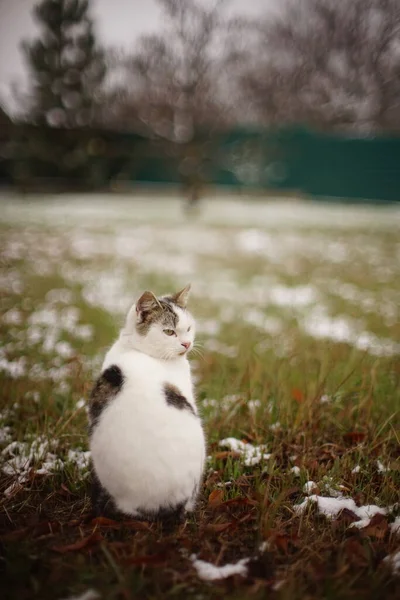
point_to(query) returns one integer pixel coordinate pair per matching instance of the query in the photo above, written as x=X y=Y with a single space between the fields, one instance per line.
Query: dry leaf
x=105 y=522
x=219 y=527
x=227 y=454
x=239 y=502
x=87 y=542
x=215 y=498
x=281 y=541
x=297 y=395
x=136 y=525
x=377 y=527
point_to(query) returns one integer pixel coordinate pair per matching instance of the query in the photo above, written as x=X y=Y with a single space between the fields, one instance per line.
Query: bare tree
x=173 y=84
x=328 y=63
x=173 y=78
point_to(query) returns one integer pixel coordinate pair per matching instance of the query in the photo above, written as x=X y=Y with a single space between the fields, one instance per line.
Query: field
x=297 y=377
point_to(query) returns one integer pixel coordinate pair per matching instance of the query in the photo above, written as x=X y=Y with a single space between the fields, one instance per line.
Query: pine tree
x=66 y=64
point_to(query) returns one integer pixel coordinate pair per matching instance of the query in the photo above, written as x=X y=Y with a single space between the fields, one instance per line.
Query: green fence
x=313 y=163
x=289 y=160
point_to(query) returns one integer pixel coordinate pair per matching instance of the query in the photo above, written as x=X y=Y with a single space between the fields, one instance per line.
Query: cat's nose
x=185 y=344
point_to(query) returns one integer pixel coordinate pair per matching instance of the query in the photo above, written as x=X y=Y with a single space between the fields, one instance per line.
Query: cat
x=146 y=437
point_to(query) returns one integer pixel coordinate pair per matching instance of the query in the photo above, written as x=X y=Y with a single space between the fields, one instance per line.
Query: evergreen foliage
x=66 y=64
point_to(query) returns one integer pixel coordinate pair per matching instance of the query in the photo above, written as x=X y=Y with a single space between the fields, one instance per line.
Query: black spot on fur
x=174 y=398
x=113 y=375
x=105 y=389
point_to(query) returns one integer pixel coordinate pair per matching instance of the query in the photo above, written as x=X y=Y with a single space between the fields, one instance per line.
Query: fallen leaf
x=219 y=527
x=105 y=522
x=281 y=542
x=238 y=502
x=87 y=542
x=346 y=517
x=215 y=498
x=356 y=553
x=227 y=454
x=137 y=525
x=377 y=527
x=297 y=395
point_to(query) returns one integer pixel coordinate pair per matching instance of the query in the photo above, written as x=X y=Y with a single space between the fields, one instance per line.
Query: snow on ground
x=251 y=454
x=331 y=507
x=395 y=526
x=393 y=560
x=244 y=211
x=108 y=245
x=40 y=454
x=210 y=572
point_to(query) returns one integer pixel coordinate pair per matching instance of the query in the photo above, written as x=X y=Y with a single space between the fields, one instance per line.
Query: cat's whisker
x=198 y=353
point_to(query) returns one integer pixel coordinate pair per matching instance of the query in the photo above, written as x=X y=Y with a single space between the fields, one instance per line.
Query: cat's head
x=160 y=327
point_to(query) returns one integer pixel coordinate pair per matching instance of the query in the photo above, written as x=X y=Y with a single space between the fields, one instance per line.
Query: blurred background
x=251 y=148
x=297 y=98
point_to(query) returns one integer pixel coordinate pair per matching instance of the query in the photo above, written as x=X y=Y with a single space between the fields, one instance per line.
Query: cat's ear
x=146 y=303
x=181 y=298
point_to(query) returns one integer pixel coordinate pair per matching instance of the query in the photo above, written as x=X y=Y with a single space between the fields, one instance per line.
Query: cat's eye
x=169 y=332
x=189 y=328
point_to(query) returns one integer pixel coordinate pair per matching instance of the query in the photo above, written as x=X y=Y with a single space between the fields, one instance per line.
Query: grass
x=300 y=352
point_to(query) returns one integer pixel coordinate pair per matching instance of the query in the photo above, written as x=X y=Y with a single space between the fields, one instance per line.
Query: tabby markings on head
x=162 y=312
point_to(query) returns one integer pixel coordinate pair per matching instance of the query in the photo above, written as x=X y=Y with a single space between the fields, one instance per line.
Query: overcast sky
x=118 y=22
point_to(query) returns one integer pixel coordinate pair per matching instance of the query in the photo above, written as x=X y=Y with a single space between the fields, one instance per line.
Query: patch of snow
x=381 y=468
x=393 y=560
x=278 y=585
x=293 y=296
x=325 y=399
x=356 y=469
x=5 y=435
x=18 y=458
x=331 y=507
x=319 y=325
x=13 y=317
x=14 y=368
x=253 y=405
x=275 y=426
x=252 y=454
x=64 y=349
x=395 y=526
x=81 y=403
x=265 y=545
x=309 y=487
x=209 y=402
x=209 y=572
x=220 y=348
x=80 y=458
x=296 y=471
